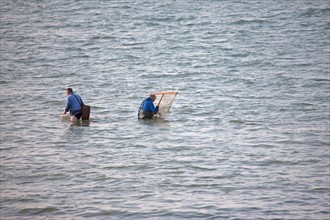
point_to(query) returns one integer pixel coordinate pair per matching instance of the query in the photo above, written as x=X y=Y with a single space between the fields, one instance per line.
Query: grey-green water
x=247 y=136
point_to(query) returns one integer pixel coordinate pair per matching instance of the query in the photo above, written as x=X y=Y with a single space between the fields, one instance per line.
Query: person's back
x=74 y=103
x=147 y=108
x=74 y=100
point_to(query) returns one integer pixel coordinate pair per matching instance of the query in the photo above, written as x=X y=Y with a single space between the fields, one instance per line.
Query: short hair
x=69 y=90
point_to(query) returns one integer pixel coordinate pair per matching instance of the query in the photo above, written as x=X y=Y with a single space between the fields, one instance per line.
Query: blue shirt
x=74 y=103
x=147 y=109
x=148 y=106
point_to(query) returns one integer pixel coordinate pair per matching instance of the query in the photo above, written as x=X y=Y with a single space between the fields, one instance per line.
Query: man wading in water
x=147 y=108
x=74 y=103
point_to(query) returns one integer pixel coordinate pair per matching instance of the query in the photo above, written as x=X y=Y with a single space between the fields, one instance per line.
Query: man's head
x=153 y=97
x=69 y=91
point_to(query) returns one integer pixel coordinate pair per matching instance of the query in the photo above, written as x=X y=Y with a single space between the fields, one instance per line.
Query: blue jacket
x=74 y=103
x=148 y=106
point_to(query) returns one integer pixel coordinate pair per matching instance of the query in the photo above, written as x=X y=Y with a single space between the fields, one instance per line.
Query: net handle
x=160 y=99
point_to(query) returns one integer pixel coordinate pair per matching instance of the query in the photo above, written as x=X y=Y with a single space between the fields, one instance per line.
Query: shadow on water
x=154 y=122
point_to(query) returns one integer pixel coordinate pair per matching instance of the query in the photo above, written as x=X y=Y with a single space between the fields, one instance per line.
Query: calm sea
x=247 y=136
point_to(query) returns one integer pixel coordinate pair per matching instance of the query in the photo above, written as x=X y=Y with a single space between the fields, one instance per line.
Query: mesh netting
x=165 y=100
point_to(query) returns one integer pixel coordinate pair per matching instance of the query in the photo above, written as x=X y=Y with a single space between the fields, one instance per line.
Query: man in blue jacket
x=147 y=108
x=74 y=103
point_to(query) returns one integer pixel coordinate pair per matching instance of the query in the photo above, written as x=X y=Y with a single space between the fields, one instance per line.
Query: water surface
x=247 y=136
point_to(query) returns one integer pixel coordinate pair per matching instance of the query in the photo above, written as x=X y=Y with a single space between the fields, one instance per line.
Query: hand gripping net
x=164 y=100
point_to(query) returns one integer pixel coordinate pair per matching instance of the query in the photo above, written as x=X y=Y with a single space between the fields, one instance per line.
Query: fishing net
x=164 y=100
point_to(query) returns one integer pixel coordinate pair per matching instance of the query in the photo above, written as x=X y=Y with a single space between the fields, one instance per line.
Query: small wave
x=237 y=121
x=203 y=168
x=321 y=80
x=4 y=82
x=311 y=12
x=248 y=21
x=320 y=189
x=302 y=104
x=35 y=211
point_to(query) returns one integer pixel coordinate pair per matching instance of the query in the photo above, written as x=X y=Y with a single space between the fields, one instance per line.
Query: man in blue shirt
x=147 y=108
x=74 y=103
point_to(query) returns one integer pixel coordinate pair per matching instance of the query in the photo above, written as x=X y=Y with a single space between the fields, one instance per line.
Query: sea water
x=247 y=136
